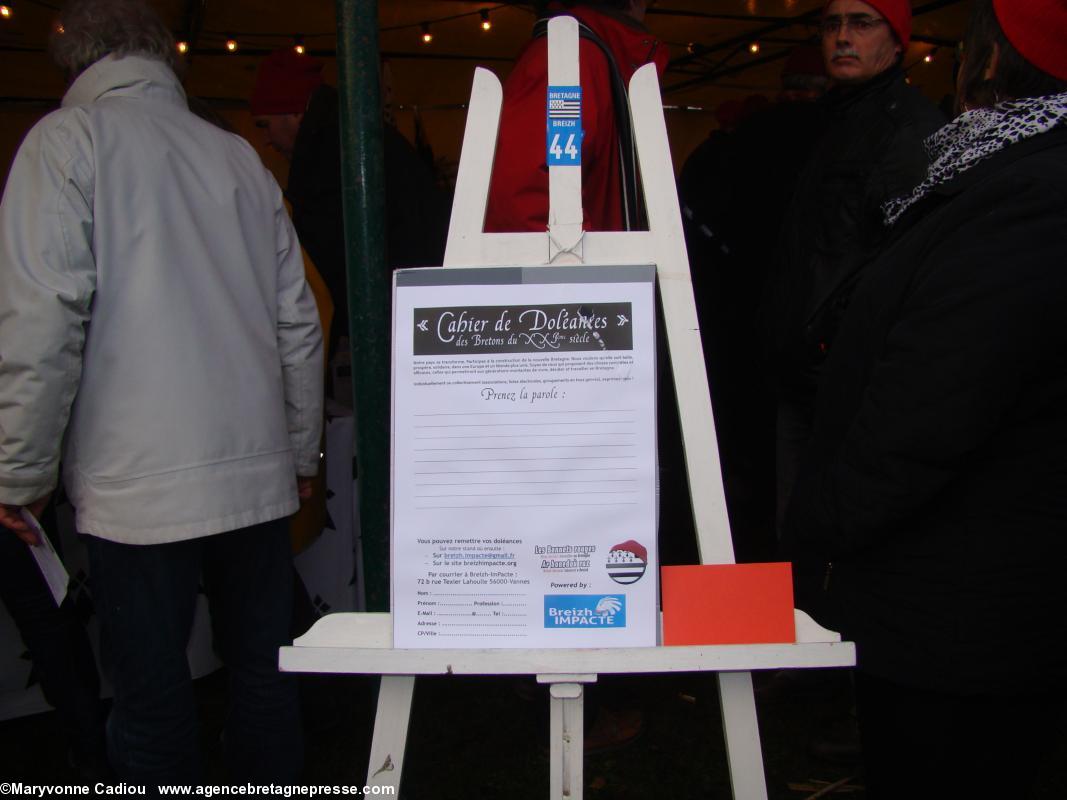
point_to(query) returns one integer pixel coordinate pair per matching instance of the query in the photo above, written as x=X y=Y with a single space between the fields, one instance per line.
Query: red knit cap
x=1038 y=30
x=896 y=12
x=284 y=83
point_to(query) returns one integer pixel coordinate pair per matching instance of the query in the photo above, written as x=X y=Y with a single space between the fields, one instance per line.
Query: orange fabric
x=518 y=190
x=728 y=604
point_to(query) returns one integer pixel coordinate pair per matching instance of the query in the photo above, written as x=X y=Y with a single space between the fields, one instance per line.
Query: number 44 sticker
x=569 y=149
x=564 y=141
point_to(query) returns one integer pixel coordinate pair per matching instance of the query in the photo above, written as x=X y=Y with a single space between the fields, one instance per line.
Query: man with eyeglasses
x=870 y=151
x=860 y=43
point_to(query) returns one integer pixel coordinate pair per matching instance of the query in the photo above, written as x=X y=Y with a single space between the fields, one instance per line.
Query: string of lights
x=259 y=42
x=482 y=14
x=232 y=41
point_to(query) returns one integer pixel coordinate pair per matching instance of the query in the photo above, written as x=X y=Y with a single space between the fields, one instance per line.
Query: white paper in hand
x=55 y=574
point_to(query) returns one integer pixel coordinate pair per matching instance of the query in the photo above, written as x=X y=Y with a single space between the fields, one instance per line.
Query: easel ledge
x=362 y=643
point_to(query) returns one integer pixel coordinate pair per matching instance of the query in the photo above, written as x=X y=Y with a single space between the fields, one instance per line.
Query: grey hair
x=88 y=30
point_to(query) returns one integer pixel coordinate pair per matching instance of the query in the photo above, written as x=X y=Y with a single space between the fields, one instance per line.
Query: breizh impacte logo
x=585 y=611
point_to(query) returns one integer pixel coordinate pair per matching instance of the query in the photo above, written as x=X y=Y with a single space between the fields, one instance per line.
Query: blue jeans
x=145 y=598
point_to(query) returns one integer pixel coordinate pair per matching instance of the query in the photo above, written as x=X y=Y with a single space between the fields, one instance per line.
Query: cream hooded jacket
x=155 y=323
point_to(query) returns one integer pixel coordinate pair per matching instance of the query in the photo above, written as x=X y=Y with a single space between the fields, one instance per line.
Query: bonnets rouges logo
x=627 y=562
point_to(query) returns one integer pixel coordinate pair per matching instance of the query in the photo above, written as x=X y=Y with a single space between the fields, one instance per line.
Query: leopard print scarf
x=975 y=136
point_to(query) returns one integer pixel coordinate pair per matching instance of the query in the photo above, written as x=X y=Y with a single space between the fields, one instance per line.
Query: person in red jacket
x=518 y=191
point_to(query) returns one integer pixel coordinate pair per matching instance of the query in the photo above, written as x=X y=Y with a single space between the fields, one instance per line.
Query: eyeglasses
x=860 y=24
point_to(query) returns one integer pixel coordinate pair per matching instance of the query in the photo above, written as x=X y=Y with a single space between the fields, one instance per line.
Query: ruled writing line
x=528 y=505
x=505 y=413
x=515 y=447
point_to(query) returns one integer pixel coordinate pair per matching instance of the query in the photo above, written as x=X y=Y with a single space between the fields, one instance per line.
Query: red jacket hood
x=622 y=34
x=518 y=191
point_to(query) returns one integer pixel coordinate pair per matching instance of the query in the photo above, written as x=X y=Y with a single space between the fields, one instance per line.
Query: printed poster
x=523 y=458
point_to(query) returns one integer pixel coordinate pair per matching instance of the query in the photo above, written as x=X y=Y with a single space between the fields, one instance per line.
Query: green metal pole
x=363 y=190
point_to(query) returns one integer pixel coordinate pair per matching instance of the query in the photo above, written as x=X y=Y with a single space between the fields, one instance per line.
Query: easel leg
x=743 y=751
x=566 y=741
x=390 y=731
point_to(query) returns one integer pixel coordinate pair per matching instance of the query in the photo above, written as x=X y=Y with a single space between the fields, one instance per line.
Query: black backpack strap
x=633 y=207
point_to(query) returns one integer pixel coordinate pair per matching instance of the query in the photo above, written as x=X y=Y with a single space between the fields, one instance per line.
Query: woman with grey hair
x=88 y=30
x=936 y=482
x=159 y=335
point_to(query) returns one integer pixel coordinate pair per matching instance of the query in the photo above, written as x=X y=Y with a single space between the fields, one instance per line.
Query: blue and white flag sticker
x=564 y=142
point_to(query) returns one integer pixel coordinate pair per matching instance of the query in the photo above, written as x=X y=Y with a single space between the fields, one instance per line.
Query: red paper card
x=728 y=604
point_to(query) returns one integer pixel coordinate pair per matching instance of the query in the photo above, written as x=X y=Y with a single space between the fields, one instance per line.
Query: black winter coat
x=416 y=211
x=937 y=476
x=870 y=152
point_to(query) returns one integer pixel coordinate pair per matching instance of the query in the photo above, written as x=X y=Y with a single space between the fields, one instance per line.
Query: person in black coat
x=936 y=481
x=734 y=188
x=300 y=116
x=869 y=152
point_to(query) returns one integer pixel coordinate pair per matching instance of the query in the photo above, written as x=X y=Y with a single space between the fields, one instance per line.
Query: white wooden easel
x=362 y=643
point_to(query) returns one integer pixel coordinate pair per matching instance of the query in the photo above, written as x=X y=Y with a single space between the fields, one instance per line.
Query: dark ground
x=477 y=738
